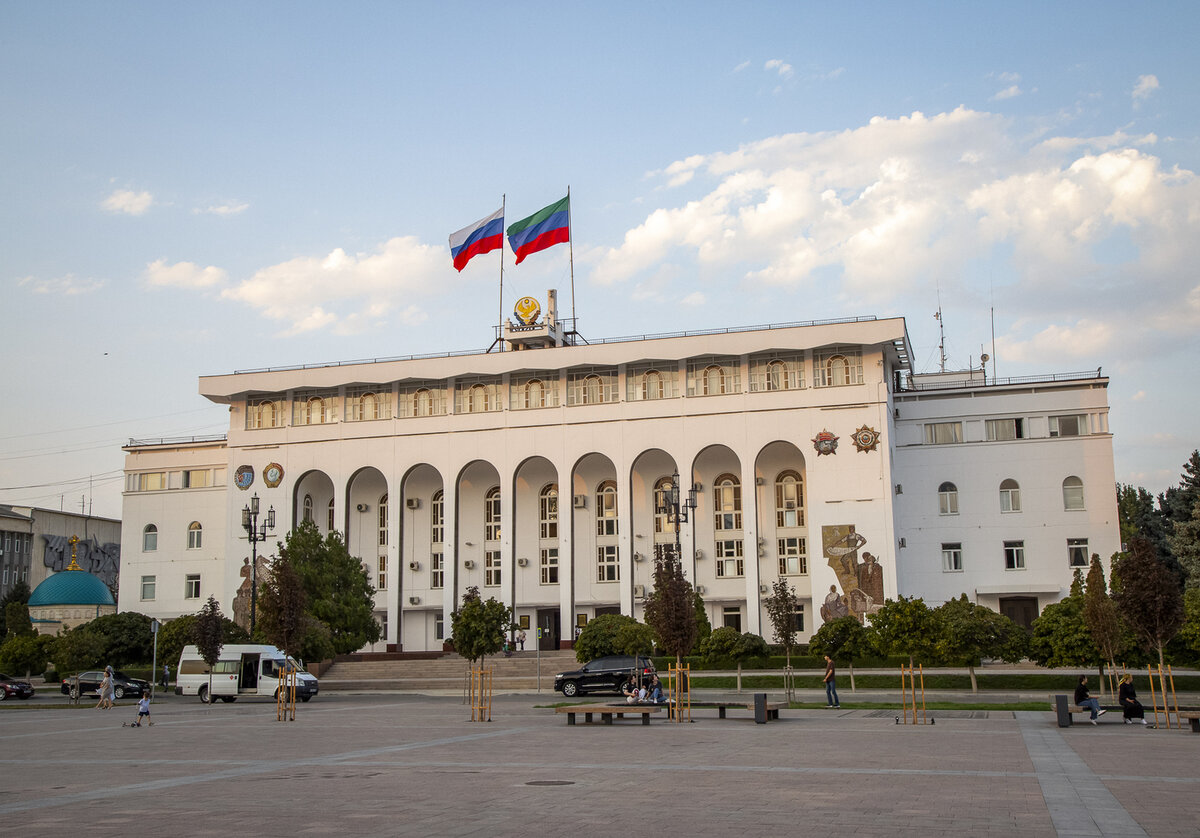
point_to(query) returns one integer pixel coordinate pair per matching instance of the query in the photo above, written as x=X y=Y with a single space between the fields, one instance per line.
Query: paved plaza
x=387 y=764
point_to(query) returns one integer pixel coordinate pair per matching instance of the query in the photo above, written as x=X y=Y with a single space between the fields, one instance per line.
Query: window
x=422 y=398
x=381 y=520
x=727 y=503
x=548 y=511
x=1010 y=496
x=308 y=508
x=729 y=558
x=439 y=626
x=798 y=617
x=592 y=386
x=149 y=482
x=1014 y=555
x=606 y=508
x=943 y=433
x=329 y=516
x=713 y=382
x=491 y=515
x=785 y=372
x=437 y=518
x=713 y=376
x=947 y=499
x=149 y=538
x=1069 y=425
x=191 y=586
x=437 y=570
x=148 y=586
x=793 y=556
x=477 y=395
x=529 y=392
x=1072 y=494
x=651 y=380
x=662 y=496
x=731 y=617
x=197 y=478
x=382 y=567
x=607 y=569
x=264 y=413
x=491 y=565
x=364 y=404
x=422 y=402
x=652 y=385
x=549 y=564
x=195 y=535
x=789 y=500
x=837 y=367
x=479 y=400
x=1077 y=552
x=1002 y=429
x=952 y=558
x=312 y=408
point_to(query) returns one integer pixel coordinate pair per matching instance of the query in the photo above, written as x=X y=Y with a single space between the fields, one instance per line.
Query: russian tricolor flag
x=484 y=236
x=545 y=228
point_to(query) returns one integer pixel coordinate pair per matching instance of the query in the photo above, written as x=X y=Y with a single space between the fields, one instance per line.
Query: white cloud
x=741 y=66
x=1007 y=93
x=183 y=275
x=127 y=201
x=1144 y=87
x=347 y=293
x=694 y=299
x=222 y=209
x=779 y=66
x=1140 y=395
x=67 y=286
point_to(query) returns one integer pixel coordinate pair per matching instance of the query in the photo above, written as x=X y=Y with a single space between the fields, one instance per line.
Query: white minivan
x=241 y=669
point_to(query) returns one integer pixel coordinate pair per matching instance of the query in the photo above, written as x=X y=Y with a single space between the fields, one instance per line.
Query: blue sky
x=189 y=191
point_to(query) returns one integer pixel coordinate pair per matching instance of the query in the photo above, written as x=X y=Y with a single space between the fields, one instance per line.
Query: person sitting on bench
x=1131 y=708
x=1083 y=699
x=655 y=691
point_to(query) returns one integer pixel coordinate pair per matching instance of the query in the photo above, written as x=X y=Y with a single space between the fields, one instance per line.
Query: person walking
x=143 y=711
x=831 y=696
x=1131 y=708
x=1084 y=699
x=107 y=690
x=166 y=676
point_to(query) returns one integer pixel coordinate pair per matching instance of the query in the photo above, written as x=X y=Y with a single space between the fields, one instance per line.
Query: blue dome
x=71 y=587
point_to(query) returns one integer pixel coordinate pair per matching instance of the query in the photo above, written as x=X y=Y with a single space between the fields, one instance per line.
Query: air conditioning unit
x=902 y=543
x=758 y=481
x=362 y=507
x=700 y=589
x=469 y=564
x=414 y=565
x=699 y=554
x=413 y=503
x=414 y=600
x=762 y=589
x=639 y=591
x=581 y=501
x=522 y=562
x=638 y=557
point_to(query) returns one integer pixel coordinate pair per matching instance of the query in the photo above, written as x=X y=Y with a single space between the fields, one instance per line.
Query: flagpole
x=571 y=246
x=500 y=323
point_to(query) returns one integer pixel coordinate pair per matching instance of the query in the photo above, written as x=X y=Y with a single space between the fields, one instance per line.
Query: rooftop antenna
x=942 y=332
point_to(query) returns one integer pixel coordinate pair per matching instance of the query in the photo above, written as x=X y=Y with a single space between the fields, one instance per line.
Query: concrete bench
x=1063 y=706
x=1193 y=717
x=608 y=711
x=772 y=708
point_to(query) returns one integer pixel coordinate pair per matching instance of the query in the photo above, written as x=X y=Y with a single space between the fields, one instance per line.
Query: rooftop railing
x=908 y=385
x=176 y=440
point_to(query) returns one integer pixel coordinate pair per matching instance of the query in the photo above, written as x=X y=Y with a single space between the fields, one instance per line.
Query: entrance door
x=1022 y=610
x=732 y=617
x=547 y=620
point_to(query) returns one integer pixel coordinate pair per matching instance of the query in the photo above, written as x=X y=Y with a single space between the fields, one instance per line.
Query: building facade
x=539 y=476
x=35 y=544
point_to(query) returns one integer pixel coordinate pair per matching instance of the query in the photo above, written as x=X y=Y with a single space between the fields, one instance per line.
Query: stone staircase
x=447 y=674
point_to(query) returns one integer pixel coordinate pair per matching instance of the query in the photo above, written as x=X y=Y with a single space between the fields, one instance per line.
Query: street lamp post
x=255 y=533
x=676 y=509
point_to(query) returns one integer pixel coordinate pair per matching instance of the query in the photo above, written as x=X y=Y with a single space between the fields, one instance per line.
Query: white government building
x=807 y=446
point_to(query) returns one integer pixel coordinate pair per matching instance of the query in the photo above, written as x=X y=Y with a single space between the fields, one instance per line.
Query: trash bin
x=760 y=708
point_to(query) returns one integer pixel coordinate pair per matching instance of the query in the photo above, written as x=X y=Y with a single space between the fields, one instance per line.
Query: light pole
x=676 y=509
x=255 y=533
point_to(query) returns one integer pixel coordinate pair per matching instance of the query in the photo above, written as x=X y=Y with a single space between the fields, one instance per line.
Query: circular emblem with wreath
x=866 y=439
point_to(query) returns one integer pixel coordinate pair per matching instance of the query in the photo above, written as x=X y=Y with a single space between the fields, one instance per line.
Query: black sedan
x=14 y=687
x=89 y=683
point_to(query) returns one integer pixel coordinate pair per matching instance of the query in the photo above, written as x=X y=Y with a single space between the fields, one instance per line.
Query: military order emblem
x=825 y=442
x=243 y=478
x=866 y=439
x=527 y=310
x=273 y=475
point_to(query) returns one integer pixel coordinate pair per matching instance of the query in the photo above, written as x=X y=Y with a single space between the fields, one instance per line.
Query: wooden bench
x=772 y=708
x=1064 y=706
x=1193 y=717
x=608 y=711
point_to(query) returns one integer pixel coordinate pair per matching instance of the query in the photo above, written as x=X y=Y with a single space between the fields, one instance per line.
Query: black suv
x=605 y=674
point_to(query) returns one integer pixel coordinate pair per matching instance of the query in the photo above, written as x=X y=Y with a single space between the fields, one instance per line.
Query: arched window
x=1072 y=493
x=789 y=500
x=662 y=494
x=727 y=503
x=548 y=510
x=1010 y=496
x=593 y=389
x=491 y=515
x=149 y=538
x=314 y=411
x=479 y=401
x=714 y=380
x=382 y=520
x=777 y=377
x=308 y=508
x=195 y=533
x=535 y=393
x=437 y=520
x=606 y=508
x=837 y=370
x=947 y=499
x=368 y=406
x=652 y=385
x=422 y=402
x=329 y=516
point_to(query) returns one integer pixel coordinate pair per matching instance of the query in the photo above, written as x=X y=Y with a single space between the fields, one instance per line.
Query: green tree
x=283 y=617
x=209 y=637
x=1185 y=544
x=906 y=626
x=16 y=618
x=844 y=638
x=17 y=593
x=1102 y=618
x=727 y=643
x=970 y=631
x=1060 y=635
x=1189 y=635
x=337 y=585
x=602 y=636
x=1149 y=595
x=782 y=606
x=173 y=635
x=671 y=606
x=25 y=654
x=479 y=626
x=1178 y=502
x=703 y=626
x=126 y=637
x=75 y=650
x=635 y=638
x=1137 y=515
